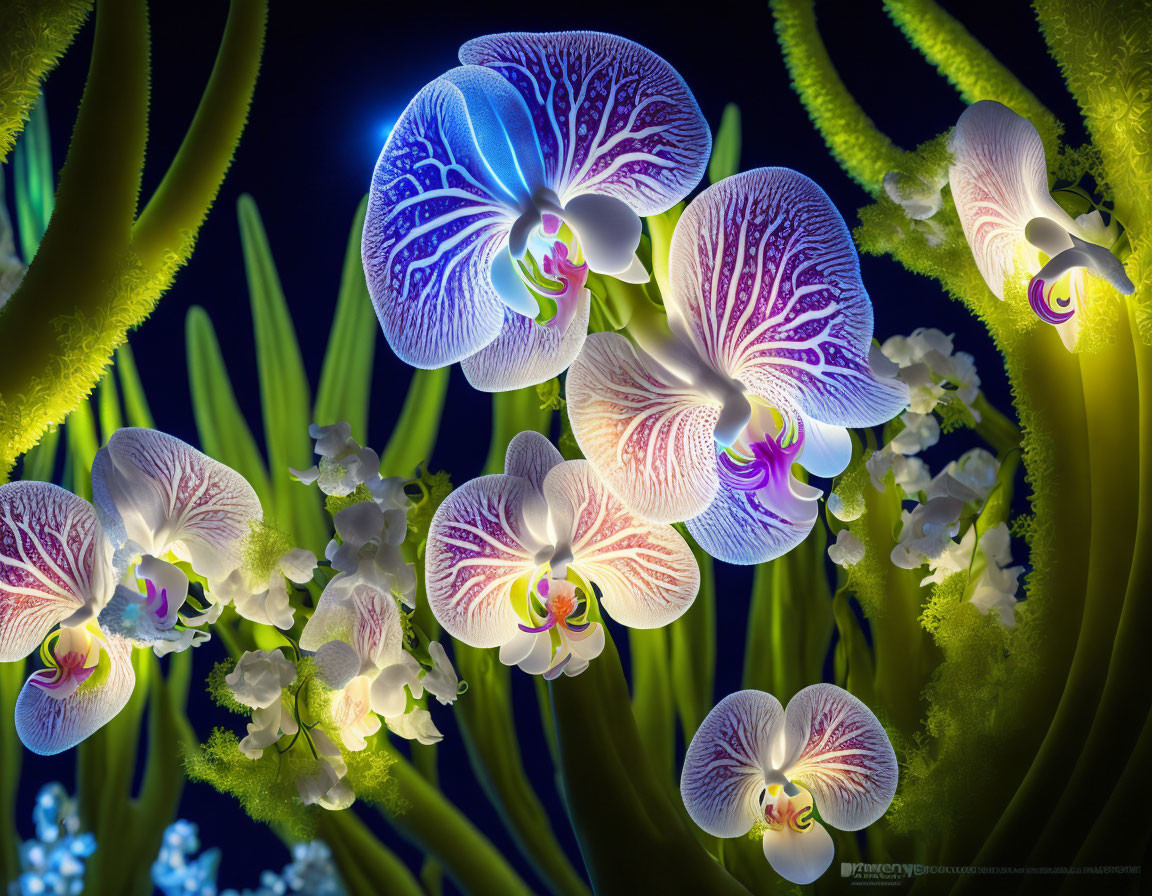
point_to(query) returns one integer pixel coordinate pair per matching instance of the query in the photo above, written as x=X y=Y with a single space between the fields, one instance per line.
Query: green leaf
x=284 y=391
x=414 y=435
x=223 y=429
x=132 y=390
x=81 y=444
x=346 y=377
x=693 y=646
x=108 y=406
x=40 y=462
x=726 y=146
x=35 y=185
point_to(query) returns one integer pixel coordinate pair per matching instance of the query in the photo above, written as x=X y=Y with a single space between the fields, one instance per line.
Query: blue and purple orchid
x=766 y=363
x=512 y=559
x=508 y=179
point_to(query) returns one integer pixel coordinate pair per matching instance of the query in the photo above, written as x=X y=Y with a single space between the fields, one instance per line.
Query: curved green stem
x=969 y=67
x=864 y=153
x=366 y=866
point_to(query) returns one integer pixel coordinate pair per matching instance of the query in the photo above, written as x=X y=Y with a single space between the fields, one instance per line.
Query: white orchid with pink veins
x=753 y=765
x=513 y=559
x=766 y=363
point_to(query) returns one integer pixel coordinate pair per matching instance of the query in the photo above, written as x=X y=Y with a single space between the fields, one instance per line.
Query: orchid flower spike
x=512 y=558
x=768 y=360
x=752 y=765
x=999 y=180
x=506 y=181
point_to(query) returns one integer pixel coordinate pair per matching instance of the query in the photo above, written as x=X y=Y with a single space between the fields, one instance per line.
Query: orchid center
x=553 y=269
x=70 y=656
x=556 y=602
x=788 y=806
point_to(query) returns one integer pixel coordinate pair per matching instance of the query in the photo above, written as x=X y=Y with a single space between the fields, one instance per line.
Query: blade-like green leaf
x=284 y=391
x=135 y=401
x=346 y=377
x=725 y=159
x=414 y=435
x=693 y=650
x=35 y=188
x=224 y=432
x=81 y=445
x=108 y=406
x=40 y=462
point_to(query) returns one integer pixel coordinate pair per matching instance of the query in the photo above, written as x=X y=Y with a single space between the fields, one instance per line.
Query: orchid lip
x=1044 y=310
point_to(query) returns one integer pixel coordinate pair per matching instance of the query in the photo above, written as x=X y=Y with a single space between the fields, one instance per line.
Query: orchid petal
x=649 y=438
x=840 y=752
x=525 y=353
x=479 y=544
x=338 y=663
x=509 y=286
x=728 y=761
x=826 y=450
x=999 y=181
x=360 y=614
x=766 y=282
x=156 y=494
x=531 y=456
x=607 y=229
x=55 y=563
x=436 y=219
x=611 y=117
x=387 y=693
x=799 y=856
x=167 y=578
x=298 y=565
x=49 y=724
x=646 y=572
x=755 y=526
x=634 y=273
x=1095 y=258
x=531 y=651
x=267 y=606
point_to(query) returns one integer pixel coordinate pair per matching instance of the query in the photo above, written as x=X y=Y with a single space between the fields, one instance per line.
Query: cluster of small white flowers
x=994 y=581
x=927 y=363
x=921 y=198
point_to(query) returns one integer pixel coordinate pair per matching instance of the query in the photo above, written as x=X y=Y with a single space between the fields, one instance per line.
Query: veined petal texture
x=766 y=282
x=648 y=437
x=728 y=761
x=479 y=544
x=611 y=117
x=49 y=724
x=437 y=215
x=55 y=560
x=646 y=572
x=156 y=494
x=840 y=751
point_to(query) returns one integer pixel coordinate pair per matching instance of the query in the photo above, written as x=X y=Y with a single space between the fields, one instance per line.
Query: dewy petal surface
x=48 y=724
x=839 y=751
x=766 y=282
x=157 y=494
x=646 y=571
x=437 y=216
x=525 y=353
x=611 y=116
x=726 y=763
x=55 y=560
x=999 y=181
x=648 y=437
x=478 y=545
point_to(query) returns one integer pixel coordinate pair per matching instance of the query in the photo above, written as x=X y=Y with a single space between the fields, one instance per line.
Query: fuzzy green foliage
x=262 y=549
x=551 y=397
x=848 y=490
x=870 y=580
x=954 y=414
x=370 y=776
x=33 y=37
x=985 y=665
x=336 y=503
x=265 y=787
x=219 y=690
x=434 y=488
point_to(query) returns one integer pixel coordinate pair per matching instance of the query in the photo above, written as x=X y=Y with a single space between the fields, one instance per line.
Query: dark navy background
x=332 y=84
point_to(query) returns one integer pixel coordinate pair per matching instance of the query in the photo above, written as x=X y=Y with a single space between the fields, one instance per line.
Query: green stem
x=693 y=644
x=12 y=751
x=414 y=435
x=995 y=427
x=652 y=703
x=864 y=153
x=435 y=826
x=366 y=866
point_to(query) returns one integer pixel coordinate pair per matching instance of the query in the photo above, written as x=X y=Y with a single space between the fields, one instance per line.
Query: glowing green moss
x=219 y=690
x=335 y=503
x=262 y=550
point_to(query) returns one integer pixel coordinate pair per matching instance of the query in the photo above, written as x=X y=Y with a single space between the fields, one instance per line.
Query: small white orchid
x=926 y=531
x=259 y=677
x=368 y=547
x=343 y=464
x=919 y=197
x=911 y=473
x=926 y=362
x=920 y=431
x=971 y=478
x=753 y=765
x=994 y=583
x=847 y=550
x=262 y=596
x=441 y=680
x=416 y=725
x=326 y=786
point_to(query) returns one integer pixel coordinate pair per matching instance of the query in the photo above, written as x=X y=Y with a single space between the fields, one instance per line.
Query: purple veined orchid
x=512 y=559
x=766 y=365
x=508 y=179
x=999 y=181
x=753 y=765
